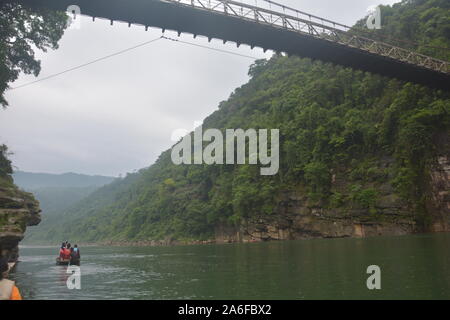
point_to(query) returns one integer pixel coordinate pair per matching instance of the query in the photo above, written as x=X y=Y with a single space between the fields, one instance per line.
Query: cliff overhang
x=18 y=210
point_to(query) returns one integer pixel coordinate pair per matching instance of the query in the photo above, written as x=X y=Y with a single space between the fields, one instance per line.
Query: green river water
x=412 y=267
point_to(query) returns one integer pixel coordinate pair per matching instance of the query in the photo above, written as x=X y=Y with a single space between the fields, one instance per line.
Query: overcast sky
x=118 y=115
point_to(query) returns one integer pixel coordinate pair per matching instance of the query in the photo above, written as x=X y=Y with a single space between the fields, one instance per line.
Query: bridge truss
x=316 y=27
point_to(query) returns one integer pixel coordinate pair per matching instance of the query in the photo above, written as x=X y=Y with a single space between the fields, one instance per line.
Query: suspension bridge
x=284 y=30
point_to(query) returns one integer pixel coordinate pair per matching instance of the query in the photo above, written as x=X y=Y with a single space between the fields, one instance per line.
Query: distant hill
x=56 y=193
x=31 y=181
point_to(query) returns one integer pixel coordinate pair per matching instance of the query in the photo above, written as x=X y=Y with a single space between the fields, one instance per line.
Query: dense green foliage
x=335 y=124
x=5 y=166
x=21 y=31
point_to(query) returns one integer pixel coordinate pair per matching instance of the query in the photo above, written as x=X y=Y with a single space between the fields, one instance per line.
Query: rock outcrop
x=295 y=218
x=439 y=200
x=18 y=210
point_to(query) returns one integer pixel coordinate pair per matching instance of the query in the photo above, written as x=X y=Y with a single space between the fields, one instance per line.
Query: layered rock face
x=439 y=201
x=18 y=210
x=294 y=217
x=295 y=220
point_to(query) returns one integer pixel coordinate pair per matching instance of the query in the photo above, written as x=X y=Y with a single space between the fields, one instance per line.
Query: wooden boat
x=66 y=262
x=62 y=262
x=76 y=262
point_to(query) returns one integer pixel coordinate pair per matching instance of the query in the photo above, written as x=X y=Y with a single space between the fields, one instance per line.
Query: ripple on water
x=31 y=259
x=117 y=256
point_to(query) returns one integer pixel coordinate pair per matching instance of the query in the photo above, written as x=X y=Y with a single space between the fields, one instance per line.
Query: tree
x=5 y=163
x=21 y=30
x=257 y=67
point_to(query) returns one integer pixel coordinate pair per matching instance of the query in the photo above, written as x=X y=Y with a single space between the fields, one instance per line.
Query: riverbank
x=149 y=243
x=175 y=243
x=168 y=243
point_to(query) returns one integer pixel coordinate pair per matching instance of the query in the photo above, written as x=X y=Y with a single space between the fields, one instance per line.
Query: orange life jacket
x=66 y=254
x=16 y=294
x=9 y=291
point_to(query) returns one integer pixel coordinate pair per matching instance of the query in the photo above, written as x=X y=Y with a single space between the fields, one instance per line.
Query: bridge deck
x=311 y=37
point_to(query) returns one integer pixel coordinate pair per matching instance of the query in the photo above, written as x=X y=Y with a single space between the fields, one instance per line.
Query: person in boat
x=61 y=250
x=8 y=289
x=66 y=255
x=77 y=251
x=75 y=255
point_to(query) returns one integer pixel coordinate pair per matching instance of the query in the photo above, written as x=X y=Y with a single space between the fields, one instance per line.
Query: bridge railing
x=314 y=26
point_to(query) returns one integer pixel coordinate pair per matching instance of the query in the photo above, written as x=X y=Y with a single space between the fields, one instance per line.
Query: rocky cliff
x=439 y=200
x=17 y=211
x=295 y=217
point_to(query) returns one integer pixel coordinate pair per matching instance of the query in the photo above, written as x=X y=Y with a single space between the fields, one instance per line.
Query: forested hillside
x=359 y=155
